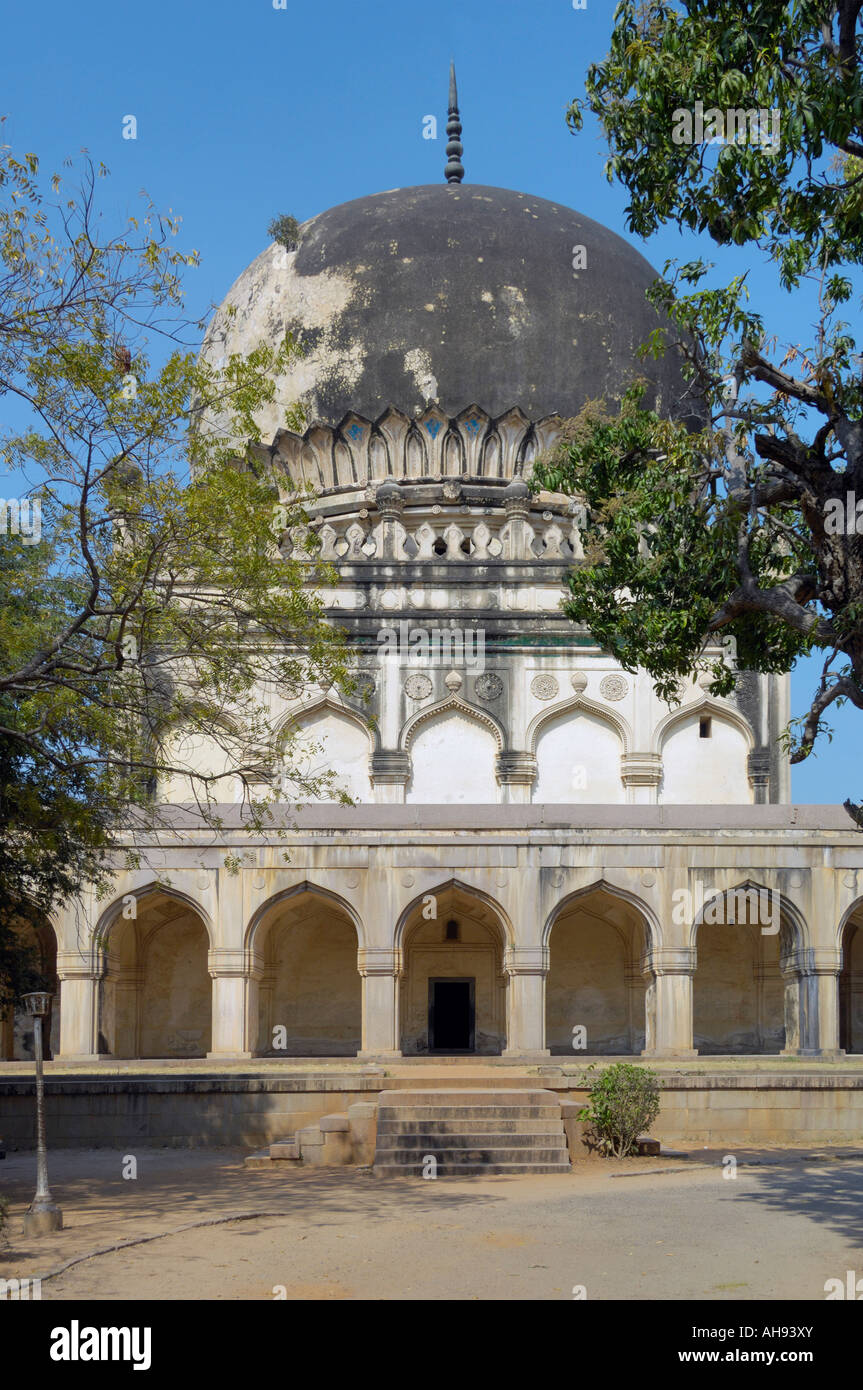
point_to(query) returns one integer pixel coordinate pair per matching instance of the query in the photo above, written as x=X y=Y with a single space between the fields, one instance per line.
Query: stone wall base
x=782 y=1105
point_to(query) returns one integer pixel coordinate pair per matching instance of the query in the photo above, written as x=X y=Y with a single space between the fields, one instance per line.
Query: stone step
x=467 y=1113
x=470 y=1095
x=433 y=1141
x=498 y=1125
x=499 y=1153
x=473 y=1170
x=286 y=1149
x=473 y=1132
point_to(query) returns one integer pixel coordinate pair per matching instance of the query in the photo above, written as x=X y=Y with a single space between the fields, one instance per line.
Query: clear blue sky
x=244 y=111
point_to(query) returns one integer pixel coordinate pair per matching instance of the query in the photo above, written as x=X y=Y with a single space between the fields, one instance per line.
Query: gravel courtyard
x=641 y=1229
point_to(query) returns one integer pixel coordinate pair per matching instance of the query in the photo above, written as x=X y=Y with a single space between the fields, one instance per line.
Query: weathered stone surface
x=447 y=295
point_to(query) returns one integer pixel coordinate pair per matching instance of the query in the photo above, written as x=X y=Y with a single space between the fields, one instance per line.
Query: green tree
x=145 y=602
x=742 y=532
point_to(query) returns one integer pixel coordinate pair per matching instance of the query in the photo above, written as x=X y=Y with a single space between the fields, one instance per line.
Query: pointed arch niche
x=308 y=1001
x=462 y=944
x=16 y=1025
x=578 y=747
x=156 y=994
x=326 y=736
x=740 y=995
x=851 y=983
x=452 y=749
x=597 y=941
x=704 y=751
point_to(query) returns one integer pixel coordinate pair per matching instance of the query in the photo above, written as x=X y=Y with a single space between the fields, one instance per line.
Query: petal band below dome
x=359 y=453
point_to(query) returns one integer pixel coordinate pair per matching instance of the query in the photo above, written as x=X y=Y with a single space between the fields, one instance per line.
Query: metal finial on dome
x=454 y=168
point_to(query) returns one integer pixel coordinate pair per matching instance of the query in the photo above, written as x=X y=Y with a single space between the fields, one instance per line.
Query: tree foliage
x=145 y=602
x=729 y=534
x=622 y=1105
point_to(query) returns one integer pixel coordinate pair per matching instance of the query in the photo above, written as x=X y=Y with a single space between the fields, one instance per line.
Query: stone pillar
x=812 y=1003
x=80 y=974
x=525 y=1025
x=229 y=972
x=668 y=1009
x=516 y=773
x=635 y=1004
x=641 y=774
x=255 y=972
x=758 y=767
x=379 y=968
x=390 y=769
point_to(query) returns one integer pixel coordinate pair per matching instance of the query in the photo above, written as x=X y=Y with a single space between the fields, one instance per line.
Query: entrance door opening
x=451 y=1015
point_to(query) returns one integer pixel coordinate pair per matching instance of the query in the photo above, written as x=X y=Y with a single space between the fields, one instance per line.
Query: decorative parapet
x=434 y=534
x=358 y=452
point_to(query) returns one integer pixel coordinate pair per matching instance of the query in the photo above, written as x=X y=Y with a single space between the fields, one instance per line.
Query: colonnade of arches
x=454 y=981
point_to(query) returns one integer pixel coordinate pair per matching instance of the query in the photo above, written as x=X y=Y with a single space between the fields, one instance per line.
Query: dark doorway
x=451 y=1015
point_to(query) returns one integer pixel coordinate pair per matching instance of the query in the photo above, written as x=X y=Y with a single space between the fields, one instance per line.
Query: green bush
x=623 y=1103
x=286 y=231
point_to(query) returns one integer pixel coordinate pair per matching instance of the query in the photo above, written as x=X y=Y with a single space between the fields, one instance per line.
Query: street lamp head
x=37 y=1005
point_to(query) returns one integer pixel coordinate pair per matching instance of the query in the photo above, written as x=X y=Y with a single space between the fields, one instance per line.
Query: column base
x=78 y=1057
x=229 y=1056
x=527 y=1053
x=821 y=1054
x=680 y=1054
x=381 y=1052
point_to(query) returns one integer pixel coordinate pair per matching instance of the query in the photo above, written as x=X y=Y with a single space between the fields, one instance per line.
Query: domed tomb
x=444 y=296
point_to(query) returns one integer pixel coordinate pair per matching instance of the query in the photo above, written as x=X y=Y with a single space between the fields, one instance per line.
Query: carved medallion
x=613 y=687
x=544 y=687
x=488 y=687
x=418 y=687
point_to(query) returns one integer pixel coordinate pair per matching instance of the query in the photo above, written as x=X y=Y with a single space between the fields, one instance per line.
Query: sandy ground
x=640 y=1229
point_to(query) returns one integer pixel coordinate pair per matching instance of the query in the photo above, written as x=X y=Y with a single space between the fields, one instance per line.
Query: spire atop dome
x=454 y=168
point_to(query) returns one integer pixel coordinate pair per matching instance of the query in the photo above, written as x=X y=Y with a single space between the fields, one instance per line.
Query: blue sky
x=244 y=111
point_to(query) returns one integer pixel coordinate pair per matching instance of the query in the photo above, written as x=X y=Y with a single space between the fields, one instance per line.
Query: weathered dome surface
x=449 y=295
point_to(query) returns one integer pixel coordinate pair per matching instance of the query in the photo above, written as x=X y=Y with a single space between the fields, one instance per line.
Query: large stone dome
x=448 y=295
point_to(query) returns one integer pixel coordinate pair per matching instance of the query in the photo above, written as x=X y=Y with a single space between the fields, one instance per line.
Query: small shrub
x=286 y=231
x=623 y=1103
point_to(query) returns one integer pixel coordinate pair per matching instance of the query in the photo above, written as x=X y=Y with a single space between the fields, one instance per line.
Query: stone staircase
x=470 y=1133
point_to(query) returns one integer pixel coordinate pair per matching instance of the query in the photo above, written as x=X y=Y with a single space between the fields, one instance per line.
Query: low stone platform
x=705 y=1101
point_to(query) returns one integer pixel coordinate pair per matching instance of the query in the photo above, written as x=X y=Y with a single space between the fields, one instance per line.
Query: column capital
x=378 y=960
x=758 y=768
x=516 y=768
x=225 y=961
x=390 y=766
x=641 y=769
x=531 y=960
x=680 y=961
x=808 y=961
x=81 y=965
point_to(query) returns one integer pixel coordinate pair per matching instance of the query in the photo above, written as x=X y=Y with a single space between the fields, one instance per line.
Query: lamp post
x=43 y=1215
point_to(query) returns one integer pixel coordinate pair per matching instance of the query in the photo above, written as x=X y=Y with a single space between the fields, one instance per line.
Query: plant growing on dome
x=286 y=231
